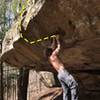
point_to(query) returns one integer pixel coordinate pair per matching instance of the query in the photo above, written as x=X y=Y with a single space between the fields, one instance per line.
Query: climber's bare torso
x=55 y=61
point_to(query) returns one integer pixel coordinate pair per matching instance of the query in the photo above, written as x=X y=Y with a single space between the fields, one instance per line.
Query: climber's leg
x=74 y=93
x=68 y=82
x=65 y=90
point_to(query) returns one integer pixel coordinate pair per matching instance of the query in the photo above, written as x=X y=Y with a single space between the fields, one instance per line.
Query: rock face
x=77 y=21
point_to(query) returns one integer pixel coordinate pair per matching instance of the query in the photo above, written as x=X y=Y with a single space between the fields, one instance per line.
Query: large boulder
x=75 y=20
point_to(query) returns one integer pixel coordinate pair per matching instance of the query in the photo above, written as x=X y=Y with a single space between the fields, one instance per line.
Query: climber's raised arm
x=53 y=45
x=56 y=51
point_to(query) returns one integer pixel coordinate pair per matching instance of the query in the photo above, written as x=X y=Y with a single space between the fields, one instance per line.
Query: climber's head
x=48 y=52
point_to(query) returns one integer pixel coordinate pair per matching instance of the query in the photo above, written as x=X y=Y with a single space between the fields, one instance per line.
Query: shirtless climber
x=65 y=78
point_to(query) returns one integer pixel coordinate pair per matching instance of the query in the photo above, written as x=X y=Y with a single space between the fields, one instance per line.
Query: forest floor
x=56 y=94
x=49 y=94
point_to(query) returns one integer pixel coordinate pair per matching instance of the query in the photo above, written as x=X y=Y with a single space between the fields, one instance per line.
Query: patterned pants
x=68 y=84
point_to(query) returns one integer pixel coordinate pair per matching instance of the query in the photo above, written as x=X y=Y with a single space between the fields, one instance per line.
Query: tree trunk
x=1 y=75
x=1 y=81
x=23 y=84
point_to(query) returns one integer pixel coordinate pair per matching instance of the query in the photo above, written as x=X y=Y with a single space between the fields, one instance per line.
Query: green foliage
x=18 y=5
x=15 y=6
x=9 y=6
x=3 y=9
